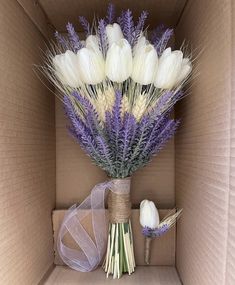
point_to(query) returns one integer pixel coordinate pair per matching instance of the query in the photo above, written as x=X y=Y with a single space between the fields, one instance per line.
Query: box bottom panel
x=157 y=275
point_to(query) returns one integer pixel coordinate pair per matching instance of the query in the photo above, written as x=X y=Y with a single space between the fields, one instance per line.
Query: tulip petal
x=91 y=65
x=145 y=64
x=118 y=66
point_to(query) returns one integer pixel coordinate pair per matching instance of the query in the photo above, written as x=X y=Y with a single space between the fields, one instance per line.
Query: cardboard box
x=42 y=169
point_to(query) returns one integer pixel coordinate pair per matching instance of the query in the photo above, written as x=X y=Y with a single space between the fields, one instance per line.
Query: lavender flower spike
x=120 y=20
x=85 y=24
x=110 y=13
x=103 y=40
x=161 y=45
x=151 y=233
x=61 y=40
x=157 y=34
x=74 y=38
x=128 y=27
x=116 y=122
x=140 y=26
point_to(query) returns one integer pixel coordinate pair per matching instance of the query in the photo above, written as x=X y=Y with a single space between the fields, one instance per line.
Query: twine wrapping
x=119 y=203
x=92 y=250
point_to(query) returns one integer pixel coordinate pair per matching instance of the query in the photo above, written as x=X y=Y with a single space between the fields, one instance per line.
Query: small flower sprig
x=152 y=228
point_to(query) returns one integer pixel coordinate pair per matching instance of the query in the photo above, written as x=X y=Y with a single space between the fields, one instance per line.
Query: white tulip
x=145 y=64
x=66 y=69
x=140 y=43
x=118 y=66
x=91 y=65
x=186 y=69
x=168 y=69
x=114 y=33
x=149 y=216
x=172 y=69
x=92 y=42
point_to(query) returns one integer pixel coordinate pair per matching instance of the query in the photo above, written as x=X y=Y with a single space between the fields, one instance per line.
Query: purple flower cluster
x=110 y=17
x=85 y=24
x=74 y=38
x=160 y=38
x=120 y=145
x=152 y=233
x=131 y=31
x=103 y=40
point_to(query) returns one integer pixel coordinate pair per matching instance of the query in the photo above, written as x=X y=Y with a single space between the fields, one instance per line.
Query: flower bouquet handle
x=120 y=254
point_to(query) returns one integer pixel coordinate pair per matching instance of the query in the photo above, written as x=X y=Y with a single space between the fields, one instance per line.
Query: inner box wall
x=27 y=152
x=204 y=148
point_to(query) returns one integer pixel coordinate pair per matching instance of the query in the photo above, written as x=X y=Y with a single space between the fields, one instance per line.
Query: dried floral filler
x=118 y=87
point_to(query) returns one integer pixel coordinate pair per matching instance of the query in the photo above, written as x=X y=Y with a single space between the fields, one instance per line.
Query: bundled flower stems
x=120 y=252
x=118 y=87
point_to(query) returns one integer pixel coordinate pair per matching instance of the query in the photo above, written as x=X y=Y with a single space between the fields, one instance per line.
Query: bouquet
x=118 y=87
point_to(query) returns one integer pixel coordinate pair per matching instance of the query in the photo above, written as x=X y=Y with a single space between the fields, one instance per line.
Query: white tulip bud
x=149 y=216
x=114 y=33
x=186 y=69
x=66 y=69
x=168 y=69
x=142 y=42
x=145 y=64
x=92 y=42
x=91 y=65
x=172 y=69
x=118 y=66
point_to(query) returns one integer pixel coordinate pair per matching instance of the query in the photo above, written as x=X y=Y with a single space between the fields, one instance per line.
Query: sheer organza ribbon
x=91 y=251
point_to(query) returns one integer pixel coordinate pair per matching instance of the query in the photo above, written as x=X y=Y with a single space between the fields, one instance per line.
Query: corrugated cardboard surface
x=230 y=266
x=36 y=14
x=61 y=11
x=203 y=148
x=27 y=153
x=162 y=249
x=149 y=275
x=76 y=175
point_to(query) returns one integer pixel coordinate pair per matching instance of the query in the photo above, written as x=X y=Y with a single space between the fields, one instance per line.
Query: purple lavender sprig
x=160 y=45
x=114 y=124
x=152 y=233
x=120 y=20
x=74 y=38
x=157 y=33
x=127 y=135
x=105 y=152
x=140 y=26
x=78 y=128
x=154 y=131
x=62 y=41
x=167 y=132
x=110 y=13
x=128 y=26
x=139 y=140
x=163 y=103
x=90 y=115
x=103 y=40
x=85 y=24
x=157 y=133
x=93 y=145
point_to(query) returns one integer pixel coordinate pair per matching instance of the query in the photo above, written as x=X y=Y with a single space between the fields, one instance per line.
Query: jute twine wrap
x=119 y=203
